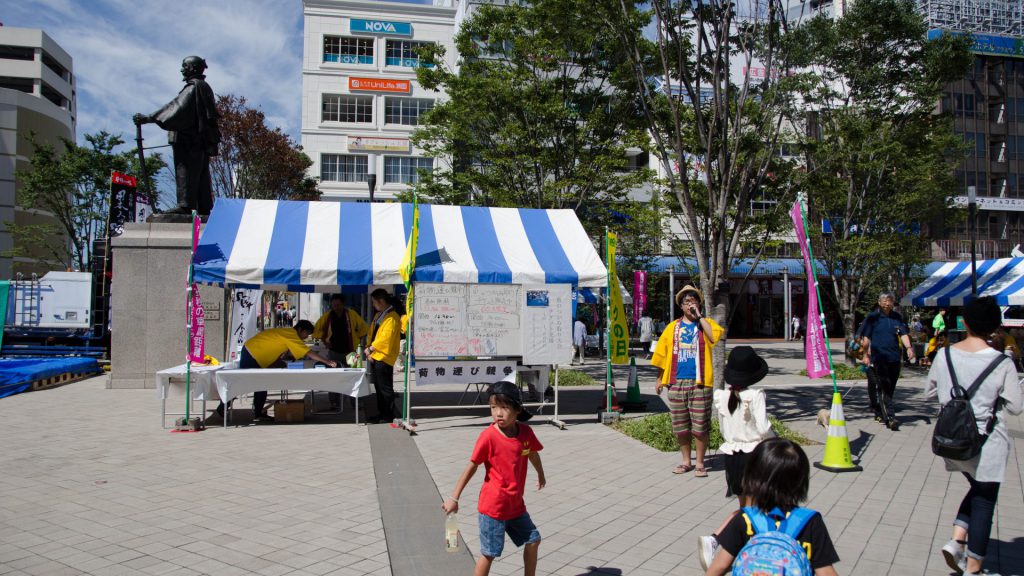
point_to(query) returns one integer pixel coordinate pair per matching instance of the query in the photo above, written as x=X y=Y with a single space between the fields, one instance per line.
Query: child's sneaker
x=955 y=556
x=707 y=547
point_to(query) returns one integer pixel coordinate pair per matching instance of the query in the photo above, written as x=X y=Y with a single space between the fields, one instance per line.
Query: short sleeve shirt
x=814 y=538
x=267 y=346
x=884 y=332
x=505 y=461
x=686 y=367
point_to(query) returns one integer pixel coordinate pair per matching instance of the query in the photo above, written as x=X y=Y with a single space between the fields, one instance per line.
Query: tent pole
x=555 y=421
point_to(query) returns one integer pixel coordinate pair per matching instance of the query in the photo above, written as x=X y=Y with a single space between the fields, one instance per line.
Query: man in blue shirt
x=884 y=329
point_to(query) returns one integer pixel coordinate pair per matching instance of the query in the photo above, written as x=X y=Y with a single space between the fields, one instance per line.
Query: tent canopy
x=950 y=284
x=319 y=246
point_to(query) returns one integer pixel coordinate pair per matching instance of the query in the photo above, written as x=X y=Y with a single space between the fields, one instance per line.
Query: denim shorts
x=492 y=533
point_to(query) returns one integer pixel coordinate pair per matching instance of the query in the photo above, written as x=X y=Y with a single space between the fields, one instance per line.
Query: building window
x=405 y=110
x=17 y=52
x=977 y=142
x=20 y=84
x=404 y=53
x=347 y=108
x=345 y=50
x=343 y=168
x=405 y=170
x=964 y=105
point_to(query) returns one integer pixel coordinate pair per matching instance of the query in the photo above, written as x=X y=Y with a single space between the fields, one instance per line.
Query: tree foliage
x=879 y=159
x=72 y=183
x=532 y=118
x=256 y=161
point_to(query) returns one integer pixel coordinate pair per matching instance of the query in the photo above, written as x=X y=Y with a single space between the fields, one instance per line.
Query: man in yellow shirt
x=342 y=330
x=265 y=350
x=683 y=359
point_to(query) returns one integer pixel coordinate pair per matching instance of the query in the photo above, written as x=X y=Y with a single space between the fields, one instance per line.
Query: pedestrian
x=683 y=359
x=775 y=482
x=504 y=449
x=382 y=353
x=796 y=328
x=883 y=330
x=743 y=422
x=579 y=340
x=342 y=330
x=998 y=394
x=939 y=321
x=646 y=326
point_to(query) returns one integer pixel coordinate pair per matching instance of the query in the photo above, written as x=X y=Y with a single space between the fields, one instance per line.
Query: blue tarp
x=17 y=375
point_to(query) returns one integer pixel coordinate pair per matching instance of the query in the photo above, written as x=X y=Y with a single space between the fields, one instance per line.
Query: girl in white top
x=743 y=421
x=999 y=394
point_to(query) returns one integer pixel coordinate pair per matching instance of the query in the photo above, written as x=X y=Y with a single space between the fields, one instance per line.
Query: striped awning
x=950 y=284
x=319 y=246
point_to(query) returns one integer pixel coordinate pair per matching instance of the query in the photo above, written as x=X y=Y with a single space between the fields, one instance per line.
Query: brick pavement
x=91 y=485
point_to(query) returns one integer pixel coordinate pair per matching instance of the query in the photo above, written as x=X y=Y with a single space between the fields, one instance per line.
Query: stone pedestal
x=147 y=304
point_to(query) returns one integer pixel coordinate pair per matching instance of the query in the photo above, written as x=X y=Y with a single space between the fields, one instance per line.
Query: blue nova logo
x=381 y=27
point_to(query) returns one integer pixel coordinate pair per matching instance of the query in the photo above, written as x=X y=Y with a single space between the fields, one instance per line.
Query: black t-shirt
x=814 y=538
x=341 y=339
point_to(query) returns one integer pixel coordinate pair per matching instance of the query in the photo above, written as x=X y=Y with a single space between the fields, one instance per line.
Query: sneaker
x=955 y=556
x=893 y=424
x=707 y=547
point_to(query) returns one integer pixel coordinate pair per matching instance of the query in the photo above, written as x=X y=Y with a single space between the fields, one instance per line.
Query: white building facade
x=360 y=98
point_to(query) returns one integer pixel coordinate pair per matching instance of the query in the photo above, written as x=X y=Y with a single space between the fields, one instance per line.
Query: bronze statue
x=191 y=123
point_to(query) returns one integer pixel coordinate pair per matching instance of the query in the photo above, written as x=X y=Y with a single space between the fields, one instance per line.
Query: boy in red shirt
x=503 y=448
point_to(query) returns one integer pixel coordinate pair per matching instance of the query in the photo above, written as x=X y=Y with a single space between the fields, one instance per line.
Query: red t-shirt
x=505 y=460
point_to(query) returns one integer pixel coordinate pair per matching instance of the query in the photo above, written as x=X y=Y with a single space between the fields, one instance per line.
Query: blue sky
x=127 y=54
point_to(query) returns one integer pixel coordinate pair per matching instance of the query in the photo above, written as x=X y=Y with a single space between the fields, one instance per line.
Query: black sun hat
x=744 y=367
x=513 y=393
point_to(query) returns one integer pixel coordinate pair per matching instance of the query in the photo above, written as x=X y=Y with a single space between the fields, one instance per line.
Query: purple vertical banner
x=817 y=353
x=197 y=335
x=639 y=294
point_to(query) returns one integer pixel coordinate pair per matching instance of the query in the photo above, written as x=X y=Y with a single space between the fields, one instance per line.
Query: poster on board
x=467 y=320
x=547 y=324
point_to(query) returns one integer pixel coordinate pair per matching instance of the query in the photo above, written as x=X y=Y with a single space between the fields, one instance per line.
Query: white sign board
x=547 y=324
x=467 y=320
x=462 y=371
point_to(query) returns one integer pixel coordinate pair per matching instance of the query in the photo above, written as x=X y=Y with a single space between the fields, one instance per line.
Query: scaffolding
x=1002 y=17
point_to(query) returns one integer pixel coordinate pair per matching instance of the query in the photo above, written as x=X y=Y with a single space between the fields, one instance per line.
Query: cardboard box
x=289 y=411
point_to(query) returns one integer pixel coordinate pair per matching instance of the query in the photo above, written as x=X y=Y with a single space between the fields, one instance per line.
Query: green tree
x=532 y=119
x=879 y=160
x=72 y=185
x=712 y=82
x=256 y=161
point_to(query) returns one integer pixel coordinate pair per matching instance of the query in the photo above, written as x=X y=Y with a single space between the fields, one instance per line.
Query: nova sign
x=380 y=27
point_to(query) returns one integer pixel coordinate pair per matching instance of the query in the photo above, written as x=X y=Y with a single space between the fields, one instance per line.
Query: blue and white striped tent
x=950 y=285
x=319 y=246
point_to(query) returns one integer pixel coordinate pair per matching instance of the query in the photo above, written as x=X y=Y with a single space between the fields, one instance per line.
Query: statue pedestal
x=147 y=304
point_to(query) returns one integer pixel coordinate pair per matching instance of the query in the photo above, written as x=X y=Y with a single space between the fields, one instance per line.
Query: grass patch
x=843 y=372
x=567 y=377
x=656 y=431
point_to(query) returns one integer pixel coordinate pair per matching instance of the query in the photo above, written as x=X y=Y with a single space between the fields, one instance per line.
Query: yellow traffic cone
x=837 y=445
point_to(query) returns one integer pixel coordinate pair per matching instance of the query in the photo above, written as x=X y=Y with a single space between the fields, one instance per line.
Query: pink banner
x=814 y=346
x=639 y=294
x=197 y=327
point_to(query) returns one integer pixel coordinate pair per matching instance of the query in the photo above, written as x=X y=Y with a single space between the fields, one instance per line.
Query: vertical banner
x=197 y=318
x=244 y=314
x=618 y=333
x=639 y=294
x=818 y=361
x=122 y=203
x=143 y=209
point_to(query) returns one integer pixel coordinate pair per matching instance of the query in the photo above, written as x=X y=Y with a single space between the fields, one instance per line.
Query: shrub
x=656 y=431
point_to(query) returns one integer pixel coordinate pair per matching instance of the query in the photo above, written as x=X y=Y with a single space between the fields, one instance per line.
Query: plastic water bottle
x=451 y=533
x=359 y=356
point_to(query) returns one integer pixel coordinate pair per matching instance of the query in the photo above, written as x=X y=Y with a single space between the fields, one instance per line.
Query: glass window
x=347 y=108
x=405 y=170
x=403 y=53
x=405 y=110
x=964 y=104
x=343 y=168
x=347 y=50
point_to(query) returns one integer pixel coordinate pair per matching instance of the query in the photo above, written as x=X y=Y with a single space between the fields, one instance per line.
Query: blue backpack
x=774 y=551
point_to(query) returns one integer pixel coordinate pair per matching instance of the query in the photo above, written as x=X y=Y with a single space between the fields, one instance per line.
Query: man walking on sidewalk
x=883 y=330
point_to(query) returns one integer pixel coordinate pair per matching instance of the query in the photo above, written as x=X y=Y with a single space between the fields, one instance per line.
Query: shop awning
x=950 y=284
x=319 y=246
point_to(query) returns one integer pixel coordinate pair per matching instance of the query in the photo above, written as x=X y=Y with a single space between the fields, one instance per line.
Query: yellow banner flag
x=409 y=260
x=618 y=336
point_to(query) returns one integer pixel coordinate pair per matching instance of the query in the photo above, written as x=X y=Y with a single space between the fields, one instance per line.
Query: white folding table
x=202 y=384
x=348 y=381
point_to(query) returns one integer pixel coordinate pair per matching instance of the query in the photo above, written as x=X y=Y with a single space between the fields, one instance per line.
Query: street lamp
x=972 y=227
x=371 y=173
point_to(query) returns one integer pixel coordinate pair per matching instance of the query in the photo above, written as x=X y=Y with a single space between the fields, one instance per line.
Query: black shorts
x=734 y=465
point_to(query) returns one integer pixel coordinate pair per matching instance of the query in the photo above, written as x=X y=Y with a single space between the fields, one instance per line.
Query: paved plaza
x=91 y=484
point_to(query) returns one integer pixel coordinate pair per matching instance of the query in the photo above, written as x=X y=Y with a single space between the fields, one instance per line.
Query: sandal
x=701 y=473
x=682 y=469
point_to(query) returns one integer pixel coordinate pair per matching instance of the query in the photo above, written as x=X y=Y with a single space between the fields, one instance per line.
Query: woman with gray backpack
x=976 y=386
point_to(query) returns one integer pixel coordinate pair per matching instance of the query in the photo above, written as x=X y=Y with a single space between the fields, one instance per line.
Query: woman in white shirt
x=743 y=422
x=1000 y=393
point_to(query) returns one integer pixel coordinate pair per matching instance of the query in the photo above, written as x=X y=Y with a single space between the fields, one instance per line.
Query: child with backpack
x=976 y=385
x=774 y=535
x=504 y=448
x=743 y=422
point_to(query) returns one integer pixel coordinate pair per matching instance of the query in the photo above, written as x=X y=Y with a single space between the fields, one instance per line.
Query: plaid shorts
x=690 y=407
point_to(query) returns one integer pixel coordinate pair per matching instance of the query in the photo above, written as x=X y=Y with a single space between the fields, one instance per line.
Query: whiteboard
x=467 y=320
x=547 y=324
